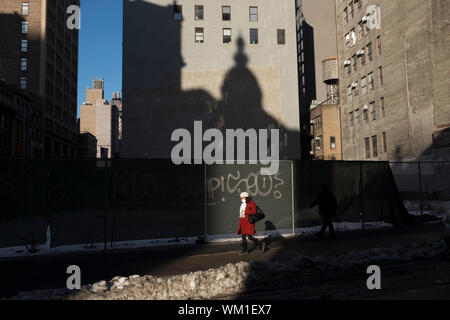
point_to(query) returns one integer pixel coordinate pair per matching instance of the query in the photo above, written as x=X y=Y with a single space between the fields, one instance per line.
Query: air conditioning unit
x=347 y=62
x=364 y=19
x=360 y=52
x=354 y=84
x=365 y=107
x=311 y=122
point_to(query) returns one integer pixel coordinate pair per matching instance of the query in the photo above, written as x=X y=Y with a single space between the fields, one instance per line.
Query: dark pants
x=327 y=223
x=251 y=238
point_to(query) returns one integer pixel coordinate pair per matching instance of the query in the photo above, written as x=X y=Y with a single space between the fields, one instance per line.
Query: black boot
x=244 y=248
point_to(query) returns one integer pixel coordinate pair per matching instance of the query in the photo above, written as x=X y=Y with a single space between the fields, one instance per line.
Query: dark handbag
x=258 y=216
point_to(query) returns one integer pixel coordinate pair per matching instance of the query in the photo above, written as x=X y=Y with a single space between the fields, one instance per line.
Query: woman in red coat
x=246 y=229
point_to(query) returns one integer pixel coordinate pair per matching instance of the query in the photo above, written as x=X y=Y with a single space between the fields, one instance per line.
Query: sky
x=100 y=46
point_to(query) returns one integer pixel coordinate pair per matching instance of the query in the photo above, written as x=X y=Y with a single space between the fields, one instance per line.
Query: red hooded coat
x=245 y=227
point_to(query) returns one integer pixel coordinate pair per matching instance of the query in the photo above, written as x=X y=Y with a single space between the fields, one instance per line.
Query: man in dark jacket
x=327 y=209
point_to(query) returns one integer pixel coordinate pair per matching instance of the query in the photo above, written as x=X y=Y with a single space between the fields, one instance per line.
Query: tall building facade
x=394 y=78
x=316 y=41
x=39 y=54
x=227 y=64
x=101 y=119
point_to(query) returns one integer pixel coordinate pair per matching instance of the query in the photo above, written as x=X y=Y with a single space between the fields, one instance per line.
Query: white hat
x=244 y=195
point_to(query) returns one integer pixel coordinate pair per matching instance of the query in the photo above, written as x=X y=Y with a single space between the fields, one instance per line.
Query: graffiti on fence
x=254 y=183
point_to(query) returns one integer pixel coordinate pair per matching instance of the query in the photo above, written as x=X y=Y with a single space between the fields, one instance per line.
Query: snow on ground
x=439 y=209
x=234 y=279
x=46 y=250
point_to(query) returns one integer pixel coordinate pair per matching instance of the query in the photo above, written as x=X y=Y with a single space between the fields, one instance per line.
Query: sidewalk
x=38 y=273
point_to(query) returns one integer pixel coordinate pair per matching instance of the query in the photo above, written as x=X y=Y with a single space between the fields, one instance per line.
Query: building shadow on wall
x=160 y=86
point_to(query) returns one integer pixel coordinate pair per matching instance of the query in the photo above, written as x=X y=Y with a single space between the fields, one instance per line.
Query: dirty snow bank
x=439 y=209
x=233 y=279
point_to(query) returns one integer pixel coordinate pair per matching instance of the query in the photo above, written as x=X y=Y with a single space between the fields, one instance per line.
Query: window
x=373 y=111
x=24 y=46
x=25 y=7
x=318 y=142
x=384 y=142
x=198 y=12
x=349 y=94
x=177 y=12
x=24 y=27
x=358 y=4
x=352 y=119
x=369 y=52
x=360 y=31
x=367 y=147
x=374 y=146
x=333 y=142
x=23 y=83
x=351 y=9
x=364 y=85
x=366 y=116
x=379 y=45
x=347 y=40
x=23 y=64
x=199 y=35
x=226 y=35
x=383 y=111
x=380 y=75
x=348 y=68
x=281 y=36
x=357 y=116
x=353 y=33
x=370 y=80
x=355 y=63
x=362 y=59
x=253 y=14
x=226 y=13
x=355 y=89
x=345 y=16
x=253 y=36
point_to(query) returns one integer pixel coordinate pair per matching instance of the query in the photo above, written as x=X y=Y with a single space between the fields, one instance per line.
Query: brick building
x=394 y=78
x=39 y=54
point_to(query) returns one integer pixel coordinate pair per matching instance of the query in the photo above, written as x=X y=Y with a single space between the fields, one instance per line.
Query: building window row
x=25 y=8
x=367 y=84
x=369 y=113
x=357 y=34
x=371 y=145
x=227 y=32
x=199 y=11
x=351 y=9
x=360 y=58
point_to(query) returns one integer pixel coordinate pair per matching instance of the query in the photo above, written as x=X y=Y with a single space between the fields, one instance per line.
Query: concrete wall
x=169 y=81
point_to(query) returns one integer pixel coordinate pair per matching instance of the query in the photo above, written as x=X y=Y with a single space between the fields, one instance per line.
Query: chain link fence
x=424 y=188
x=71 y=202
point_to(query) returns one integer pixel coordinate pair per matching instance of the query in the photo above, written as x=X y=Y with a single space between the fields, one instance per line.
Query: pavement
x=40 y=273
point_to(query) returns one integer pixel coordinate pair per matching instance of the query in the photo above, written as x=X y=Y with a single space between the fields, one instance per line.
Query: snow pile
x=439 y=209
x=233 y=279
